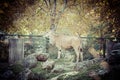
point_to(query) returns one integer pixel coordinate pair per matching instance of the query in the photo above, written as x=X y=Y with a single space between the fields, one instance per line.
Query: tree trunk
x=109 y=45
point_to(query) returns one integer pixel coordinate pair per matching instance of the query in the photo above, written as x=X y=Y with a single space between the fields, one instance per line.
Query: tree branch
x=46 y=3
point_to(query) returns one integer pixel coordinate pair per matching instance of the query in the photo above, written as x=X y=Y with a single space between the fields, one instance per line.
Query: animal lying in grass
x=65 y=42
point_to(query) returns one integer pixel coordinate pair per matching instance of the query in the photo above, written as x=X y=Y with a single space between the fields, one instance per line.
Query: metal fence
x=36 y=43
x=14 y=46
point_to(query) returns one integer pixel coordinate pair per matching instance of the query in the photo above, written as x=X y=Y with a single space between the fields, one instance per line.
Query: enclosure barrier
x=21 y=45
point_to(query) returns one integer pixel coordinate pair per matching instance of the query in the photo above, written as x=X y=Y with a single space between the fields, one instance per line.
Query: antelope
x=65 y=42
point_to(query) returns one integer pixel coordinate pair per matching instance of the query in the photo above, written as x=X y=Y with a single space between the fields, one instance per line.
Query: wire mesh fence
x=92 y=46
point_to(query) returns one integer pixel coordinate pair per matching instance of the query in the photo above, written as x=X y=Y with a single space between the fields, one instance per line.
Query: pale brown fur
x=66 y=42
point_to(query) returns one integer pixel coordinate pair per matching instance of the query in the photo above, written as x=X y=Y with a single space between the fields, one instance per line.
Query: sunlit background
x=97 y=18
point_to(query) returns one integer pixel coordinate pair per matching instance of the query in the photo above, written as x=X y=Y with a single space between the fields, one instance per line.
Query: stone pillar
x=16 y=50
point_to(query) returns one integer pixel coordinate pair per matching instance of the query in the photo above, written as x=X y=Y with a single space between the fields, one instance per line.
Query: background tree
x=86 y=17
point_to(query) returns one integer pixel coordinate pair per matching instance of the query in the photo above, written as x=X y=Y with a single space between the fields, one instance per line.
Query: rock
x=36 y=76
x=94 y=53
x=8 y=74
x=39 y=53
x=116 y=46
x=57 y=70
x=30 y=62
x=104 y=65
x=113 y=57
x=65 y=75
x=42 y=57
x=24 y=74
x=48 y=65
x=16 y=68
x=86 y=64
x=94 y=75
x=55 y=78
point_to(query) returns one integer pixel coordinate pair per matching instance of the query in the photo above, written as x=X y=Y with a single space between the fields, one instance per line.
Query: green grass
x=81 y=75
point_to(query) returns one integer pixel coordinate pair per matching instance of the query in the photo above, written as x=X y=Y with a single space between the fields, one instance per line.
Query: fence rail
x=31 y=35
x=37 y=43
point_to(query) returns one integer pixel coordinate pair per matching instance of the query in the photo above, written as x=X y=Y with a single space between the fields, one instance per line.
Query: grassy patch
x=82 y=75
